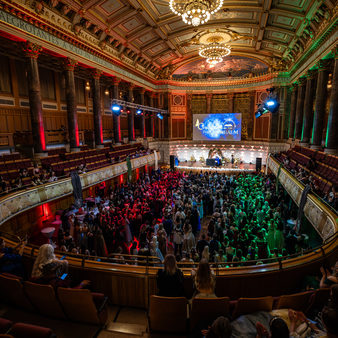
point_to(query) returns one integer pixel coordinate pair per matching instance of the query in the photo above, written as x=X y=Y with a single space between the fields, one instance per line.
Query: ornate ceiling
x=147 y=33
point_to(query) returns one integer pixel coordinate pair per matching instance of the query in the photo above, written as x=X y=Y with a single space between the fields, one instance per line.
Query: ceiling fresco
x=232 y=65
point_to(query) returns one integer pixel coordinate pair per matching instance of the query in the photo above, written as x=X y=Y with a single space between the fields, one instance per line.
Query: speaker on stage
x=258 y=163
x=210 y=162
x=172 y=162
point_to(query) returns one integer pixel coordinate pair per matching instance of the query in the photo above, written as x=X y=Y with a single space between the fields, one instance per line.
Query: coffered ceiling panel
x=149 y=32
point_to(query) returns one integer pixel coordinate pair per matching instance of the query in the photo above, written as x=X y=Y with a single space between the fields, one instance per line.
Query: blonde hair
x=170 y=265
x=45 y=256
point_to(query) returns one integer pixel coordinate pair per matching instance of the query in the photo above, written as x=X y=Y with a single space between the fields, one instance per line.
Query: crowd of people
x=244 y=219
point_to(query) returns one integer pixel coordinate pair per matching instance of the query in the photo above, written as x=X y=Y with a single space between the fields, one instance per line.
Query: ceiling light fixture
x=195 y=12
x=214 y=52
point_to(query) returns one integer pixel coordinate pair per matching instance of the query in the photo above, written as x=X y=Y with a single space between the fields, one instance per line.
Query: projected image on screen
x=222 y=127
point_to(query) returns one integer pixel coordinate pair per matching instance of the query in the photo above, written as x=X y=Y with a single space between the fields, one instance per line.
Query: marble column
x=73 y=128
x=308 y=108
x=282 y=95
x=209 y=98
x=143 y=116
x=331 y=142
x=274 y=122
x=189 y=126
x=131 y=115
x=97 y=113
x=166 y=118
x=116 y=118
x=31 y=52
x=152 y=115
x=321 y=96
x=293 y=112
x=300 y=108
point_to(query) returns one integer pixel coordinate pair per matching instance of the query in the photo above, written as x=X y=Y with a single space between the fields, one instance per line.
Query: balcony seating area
x=11 y=164
x=63 y=163
x=321 y=166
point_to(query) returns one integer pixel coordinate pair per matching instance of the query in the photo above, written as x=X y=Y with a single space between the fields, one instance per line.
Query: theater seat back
x=208 y=309
x=44 y=299
x=78 y=305
x=297 y=301
x=250 y=305
x=11 y=292
x=168 y=314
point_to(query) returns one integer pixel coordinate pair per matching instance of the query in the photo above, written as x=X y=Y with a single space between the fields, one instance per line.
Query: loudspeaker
x=172 y=162
x=210 y=162
x=258 y=163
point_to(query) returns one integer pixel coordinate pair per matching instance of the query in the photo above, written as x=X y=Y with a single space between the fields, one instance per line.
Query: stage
x=227 y=168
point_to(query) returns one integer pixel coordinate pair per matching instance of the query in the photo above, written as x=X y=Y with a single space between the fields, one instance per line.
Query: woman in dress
x=204 y=280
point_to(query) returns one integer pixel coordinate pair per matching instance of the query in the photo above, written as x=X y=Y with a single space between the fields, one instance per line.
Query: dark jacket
x=170 y=285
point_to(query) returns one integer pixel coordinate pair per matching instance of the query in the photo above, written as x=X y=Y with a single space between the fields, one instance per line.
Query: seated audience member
x=170 y=279
x=11 y=258
x=329 y=278
x=204 y=280
x=47 y=269
x=220 y=328
x=330 y=321
x=44 y=258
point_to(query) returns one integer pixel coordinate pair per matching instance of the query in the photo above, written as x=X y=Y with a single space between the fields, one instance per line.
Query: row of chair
x=78 y=305
x=173 y=315
x=22 y=330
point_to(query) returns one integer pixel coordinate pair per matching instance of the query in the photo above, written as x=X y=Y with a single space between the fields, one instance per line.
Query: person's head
x=45 y=256
x=330 y=318
x=170 y=265
x=203 y=274
x=278 y=328
x=220 y=328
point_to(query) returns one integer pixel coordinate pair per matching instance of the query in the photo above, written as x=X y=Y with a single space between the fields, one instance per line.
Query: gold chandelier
x=195 y=12
x=213 y=46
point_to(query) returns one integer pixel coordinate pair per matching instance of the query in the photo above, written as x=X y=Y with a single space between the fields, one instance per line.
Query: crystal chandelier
x=214 y=52
x=195 y=12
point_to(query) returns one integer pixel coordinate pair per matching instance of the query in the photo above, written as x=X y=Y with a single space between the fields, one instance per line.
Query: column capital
x=323 y=64
x=96 y=73
x=31 y=50
x=116 y=81
x=132 y=86
x=310 y=74
x=301 y=81
x=69 y=64
x=142 y=90
x=208 y=95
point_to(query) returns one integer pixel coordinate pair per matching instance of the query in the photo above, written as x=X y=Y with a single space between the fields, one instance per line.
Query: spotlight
x=106 y=92
x=116 y=109
x=160 y=116
x=272 y=105
x=138 y=112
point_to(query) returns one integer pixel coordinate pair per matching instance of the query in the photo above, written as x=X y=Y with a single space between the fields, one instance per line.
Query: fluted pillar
x=300 y=108
x=73 y=129
x=321 y=93
x=116 y=118
x=152 y=115
x=131 y=115
x=189 y=126
x=209 y=98
x=293 y=111
x=331 y=142
x=308 y=109
x=97 y=112
x=282 y=94
x=143 y=116
x=166 y=118
x=31 y=52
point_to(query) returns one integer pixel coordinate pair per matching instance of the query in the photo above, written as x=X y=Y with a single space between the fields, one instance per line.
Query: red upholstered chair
x=22 y=330
x=44 y=299
x=249 y=305
x=168 y=314
x=11 y=292
x=5 y=325
x=83 y=306
x=297 y=301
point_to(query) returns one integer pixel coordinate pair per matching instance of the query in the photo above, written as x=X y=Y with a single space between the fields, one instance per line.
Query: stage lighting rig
x=160 y=116
x=116 y=109
x=138 y=112
x=271 y=104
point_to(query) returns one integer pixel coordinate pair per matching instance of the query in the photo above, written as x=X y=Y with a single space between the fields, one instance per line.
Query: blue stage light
x=115 y=108
x=138 y=112
x=270 y=103
x=160 y=116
